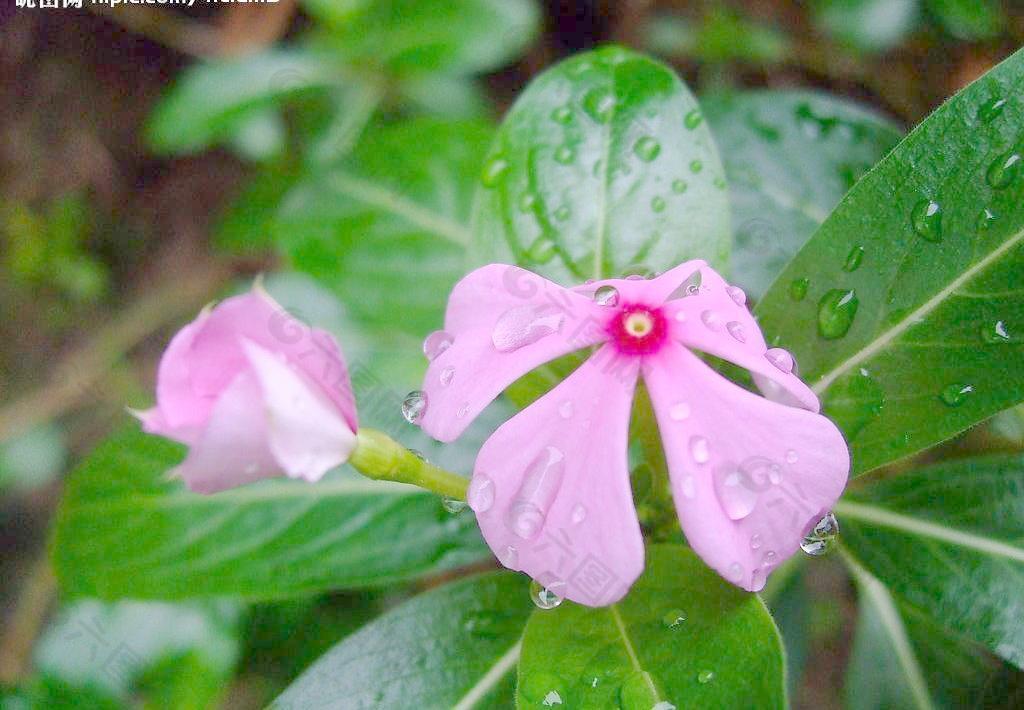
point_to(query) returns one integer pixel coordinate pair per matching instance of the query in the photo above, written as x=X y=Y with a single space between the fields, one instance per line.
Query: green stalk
x=381 y=458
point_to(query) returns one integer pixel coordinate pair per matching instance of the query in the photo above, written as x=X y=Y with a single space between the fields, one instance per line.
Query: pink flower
x=254 y=393
x=750 y=474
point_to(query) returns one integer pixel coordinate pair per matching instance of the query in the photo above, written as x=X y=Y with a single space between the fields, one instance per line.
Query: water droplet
x=855 y=399
x=719 y=182
x=493 y=172
x=711 y=320
x=647 y=149
x=453 y=505
x=578 y=515
x=781 y=359
x=696 y=166
x=853 y=259
x=735 y=572
x=541 y=251
x=735 y=329
x=480 y=494
x=756 y=542
x=737 y=294
x=836 y=311
x=1004 y=170
x=705 y=677
x=679 y=411
x=770 y=558
x=693 y=118
x=562 y=213
x=995 y=333
x=599 y=104
x=414 y=406
x=529 y=508
x=822 y=536
x=679 y=186
x=991 y=109
x=926 y=218
x=524 y=325
x=565 y=409
x=526 y=201
x=688 y=487
x=955 y=394
x=562 y=115
x=509 y=557
x=447 y=375
x=565 y=155
x=798 y=288
x=673 y=618
x=774 y=474
x=737 y=493
x=986 y=218
x=699 y=449
x=792 y=456
x=663 y=705
x=436 y=343
x=658 y=204
x=552 y=698
x=606 y=296
x=636 y=693
x=545 y=597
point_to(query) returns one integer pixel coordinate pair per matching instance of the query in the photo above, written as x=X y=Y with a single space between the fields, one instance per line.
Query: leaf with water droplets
x=607 y=189
x=681 y=622
x=934 y=283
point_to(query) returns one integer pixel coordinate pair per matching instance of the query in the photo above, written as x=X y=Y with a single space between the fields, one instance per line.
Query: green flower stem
x=381 y=458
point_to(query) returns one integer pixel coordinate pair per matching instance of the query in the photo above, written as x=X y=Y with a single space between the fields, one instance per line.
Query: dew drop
x=453 y=505
x=853 y=259
x=526 y=201
x=541 y=251
x=798 y=288
x=565 y=155
x=552 y=698
x=711 y=320
x=493 y=172
x=735 y=329
x=836 y=311
x=735 y=572
x=578 y=515
x=688 y=487
x=541 y=481
x=447 y=375
x=599 y=104
x=673 y=618
x=737 y=294
x=991 y=109
x=480 y=494
x=562 y=115
x=986 y=218
x=693 y=119
x=524 y=325
x=755 y=542
x=699 y=449
x=658 y=204
x=647 y=149
x=509 y=557
x=769 y=559
x=705 y=677
x=436 y=343
x=720 y=182
x=696 y=166
x=774 y=474
x=737 y=493
x=562 y=213
x=995 y=333
x=679 y=411
x=545 y=597
x=1004 y=170
x=606 y=296
x=792 y=456
x=679 y=186
x=414 y=406
x=781 y=359
x=926 y=218
x=565 y=409
x=955 y=394
x=822 y=536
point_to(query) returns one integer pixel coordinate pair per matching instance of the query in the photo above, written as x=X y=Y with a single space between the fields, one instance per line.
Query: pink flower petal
x=504 y=322
x=652 y=292
x=749 y=476
x=306 y=433
x=715 y=321
x=551 y=487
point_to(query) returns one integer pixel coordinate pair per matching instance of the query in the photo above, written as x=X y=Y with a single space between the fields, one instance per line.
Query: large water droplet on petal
x=737 y=294
x=735 y=572
x=529 y=508
x=688 y=487
x=447 y=375
x=781 y=359
x=579 y=514
x=509 y=557
x=836 y=311
x=711 y=320
x=735 y=329
x=436 y=343
x=737 y=493
x=822 y=536
x=414 y=406
x=699 y=449
x=546 y=597
x=606 y=296
x=480 y=494
x=524 y=325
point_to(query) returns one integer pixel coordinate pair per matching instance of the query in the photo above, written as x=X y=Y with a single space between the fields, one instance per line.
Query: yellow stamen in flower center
x=638 y=323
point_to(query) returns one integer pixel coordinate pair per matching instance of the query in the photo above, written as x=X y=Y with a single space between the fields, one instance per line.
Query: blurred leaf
x=949 y=541
x=683 y=636
x=261 y=136
x=902 y=659
x=32 y=459
x=421 y=36
x=212 y=100
x=450 y=97
x=386 y=227
x=455 y=646
x=905 y=309
x=790 y=156
x=273 y=539
x=722 y=35
x=45 y=693
x=603 y=167
x=1009 y=424
x=790 y=603
x=969 y=19
x=245 y=227
x=868 y=25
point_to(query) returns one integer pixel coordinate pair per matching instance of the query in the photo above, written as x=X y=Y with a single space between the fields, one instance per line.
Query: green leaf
x=386 y=228
x=790 y=156
x=905 y=309
x=721 y=36
x=603 y=167
x=244 y=228
x=452 y=36
x=868 y=25
x=948 y=540
x=123 y=530
x=683 y=636
x=453 y=647
x=213 y=99
x=902 y=659
x=969 y=19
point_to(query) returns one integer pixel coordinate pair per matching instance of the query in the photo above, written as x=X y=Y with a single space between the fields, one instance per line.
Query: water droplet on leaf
x=693 y=119
x=798 y=289
x=853 y=259
x=705 y=677
x=926 y=218
x=647 y=149
x=1004 y=170
x=562 y=115
x=991 y=109
x=836 y=311
x=955 y=394
x=995 y=333
x=673 y=618
x=696 y=166
x=599 y=104
x=493 y=172
x=541 y=251
x=679 y=186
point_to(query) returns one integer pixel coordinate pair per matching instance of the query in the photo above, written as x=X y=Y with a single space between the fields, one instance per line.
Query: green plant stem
x=381 y=458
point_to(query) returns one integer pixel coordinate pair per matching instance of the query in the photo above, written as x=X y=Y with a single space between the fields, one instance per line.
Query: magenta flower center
x=638 y=330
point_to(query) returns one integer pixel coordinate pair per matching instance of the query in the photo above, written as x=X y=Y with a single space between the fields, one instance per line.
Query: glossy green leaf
x=603 y=167
x=969 y=19
x=123 y=530
x=386 y=228
x=212 y=99
x=902 y=659
x=868 y=25
x=905 y=309
x=948 y=540
x=682 y=636
x=453 y=647
x=790 y=156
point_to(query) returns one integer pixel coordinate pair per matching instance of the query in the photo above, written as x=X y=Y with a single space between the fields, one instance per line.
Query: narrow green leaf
x=453 y=647
x=905 y=310
x=790 y=156
x=949 y=541
x=603 y=167
x=683 y=636
x=969 y=19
